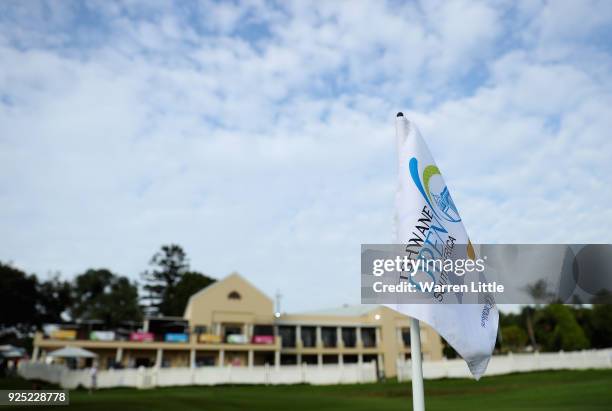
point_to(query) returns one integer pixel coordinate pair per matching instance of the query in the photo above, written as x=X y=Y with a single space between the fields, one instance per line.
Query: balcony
x=199 y=335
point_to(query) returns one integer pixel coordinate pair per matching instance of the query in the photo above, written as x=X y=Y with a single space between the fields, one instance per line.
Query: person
x=11 y=369
x=93 y=372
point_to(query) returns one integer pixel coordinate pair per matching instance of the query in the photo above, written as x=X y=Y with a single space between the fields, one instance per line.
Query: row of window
x=329 y=336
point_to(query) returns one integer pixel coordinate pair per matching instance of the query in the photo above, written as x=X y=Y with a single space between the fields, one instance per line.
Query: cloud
x=260 y=135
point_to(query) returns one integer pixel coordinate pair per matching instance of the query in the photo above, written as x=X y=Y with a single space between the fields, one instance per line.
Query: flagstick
x=418 y=394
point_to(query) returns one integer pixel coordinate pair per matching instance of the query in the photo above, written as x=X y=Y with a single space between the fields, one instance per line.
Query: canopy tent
x=12 y=354
x=72 y=352
x=11 y=351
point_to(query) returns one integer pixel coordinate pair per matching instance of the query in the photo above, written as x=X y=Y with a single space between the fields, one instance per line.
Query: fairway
x=551 y=390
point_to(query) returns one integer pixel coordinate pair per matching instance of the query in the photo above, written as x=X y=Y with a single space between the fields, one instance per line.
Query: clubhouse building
x=231 y=322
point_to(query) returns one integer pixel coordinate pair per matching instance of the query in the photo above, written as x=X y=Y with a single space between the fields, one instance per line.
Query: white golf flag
x=426 y=214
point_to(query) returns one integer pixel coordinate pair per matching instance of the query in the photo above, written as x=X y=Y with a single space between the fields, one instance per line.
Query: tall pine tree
x=167 y=267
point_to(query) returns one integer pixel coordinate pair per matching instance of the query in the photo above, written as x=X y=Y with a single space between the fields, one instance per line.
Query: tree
x=54 y=300
x=540 y=294
x=527 y=313
x=601 y=322
x=514 y=337
x=169 y=284
x=190 y=283
x=101 y=295
x=539 y=291
x=168 y=266
x=584 y=318
x=18 y=296
x=557 y=329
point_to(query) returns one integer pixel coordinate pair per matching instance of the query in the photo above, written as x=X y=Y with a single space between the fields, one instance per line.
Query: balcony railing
x=142 y=336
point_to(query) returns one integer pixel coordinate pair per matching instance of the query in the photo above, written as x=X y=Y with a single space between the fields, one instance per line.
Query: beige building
x=232 y=322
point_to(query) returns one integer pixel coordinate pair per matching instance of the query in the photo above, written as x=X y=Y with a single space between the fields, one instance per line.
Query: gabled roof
x=213 y=286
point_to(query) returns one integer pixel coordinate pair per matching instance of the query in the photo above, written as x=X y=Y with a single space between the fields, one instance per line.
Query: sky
x=260 y=135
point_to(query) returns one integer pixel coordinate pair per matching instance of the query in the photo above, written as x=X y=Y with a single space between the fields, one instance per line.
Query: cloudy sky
x=260 y=136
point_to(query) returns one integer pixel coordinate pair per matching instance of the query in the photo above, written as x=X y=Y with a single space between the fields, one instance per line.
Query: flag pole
x=418 y=394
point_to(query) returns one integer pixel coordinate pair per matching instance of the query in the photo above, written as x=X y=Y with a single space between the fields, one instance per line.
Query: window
x=350 y=359
x=406 y=336
x=288 y=359
x=330 y=359
x=328 y=335
x=234 y=295
x=309 y=359
x=309 y=336
x=368 y=336
x=287 y=333
x=349 y=337
x=206 y=360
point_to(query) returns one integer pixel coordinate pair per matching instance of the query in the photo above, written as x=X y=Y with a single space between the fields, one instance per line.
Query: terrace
x=166 y=342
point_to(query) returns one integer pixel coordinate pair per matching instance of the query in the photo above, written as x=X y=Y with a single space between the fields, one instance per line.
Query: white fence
x=506 y=364
x=153 y=377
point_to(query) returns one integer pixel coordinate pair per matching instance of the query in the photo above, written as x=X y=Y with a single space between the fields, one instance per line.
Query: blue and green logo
x=436 y=194
x=434 y=191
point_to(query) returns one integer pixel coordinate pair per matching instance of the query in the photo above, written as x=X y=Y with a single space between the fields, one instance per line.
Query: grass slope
x=551 y=390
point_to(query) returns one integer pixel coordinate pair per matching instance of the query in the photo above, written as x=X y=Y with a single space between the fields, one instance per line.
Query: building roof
x=219 y=284
x=343 y=311
x=346 y=310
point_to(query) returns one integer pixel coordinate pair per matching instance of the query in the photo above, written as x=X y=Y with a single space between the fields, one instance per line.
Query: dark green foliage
x=557 y=329
x=190 y=283
x=168 y=265
x=54 y=299
x=514 y=337
x=601 y=326
x=101 y=295
x=169 y=284
x=26 y=303
x=18 y=298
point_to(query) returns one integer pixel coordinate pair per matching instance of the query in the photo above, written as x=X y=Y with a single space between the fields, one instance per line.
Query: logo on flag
x=434 y=191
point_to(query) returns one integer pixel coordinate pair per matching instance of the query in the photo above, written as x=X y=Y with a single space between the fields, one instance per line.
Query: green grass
x=551 y=390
